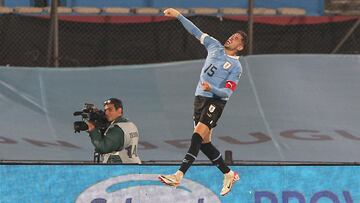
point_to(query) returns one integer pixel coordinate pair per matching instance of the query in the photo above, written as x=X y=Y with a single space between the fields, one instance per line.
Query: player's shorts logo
x=212 y=108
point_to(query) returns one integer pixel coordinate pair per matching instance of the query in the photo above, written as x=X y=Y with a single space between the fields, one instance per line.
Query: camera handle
x=96 y=157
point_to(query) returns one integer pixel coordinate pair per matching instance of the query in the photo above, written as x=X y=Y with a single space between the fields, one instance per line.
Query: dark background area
x=24 y=40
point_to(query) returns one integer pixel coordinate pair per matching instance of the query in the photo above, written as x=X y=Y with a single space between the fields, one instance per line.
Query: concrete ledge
x=291 y=11
x=62 y=10
x=86 y=10
x=28 y=10
x=264 y=11
x=204 y=11
x=116 y=10
x=233 y=11
x=5 y=10
x=147 y=10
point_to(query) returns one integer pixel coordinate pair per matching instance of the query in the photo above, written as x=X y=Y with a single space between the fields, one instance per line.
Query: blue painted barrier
x=202 y=184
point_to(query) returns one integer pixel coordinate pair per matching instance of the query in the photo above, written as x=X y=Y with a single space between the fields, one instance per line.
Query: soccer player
x=218 y=79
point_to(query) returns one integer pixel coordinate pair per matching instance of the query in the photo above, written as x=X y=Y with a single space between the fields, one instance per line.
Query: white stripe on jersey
x=202 y=38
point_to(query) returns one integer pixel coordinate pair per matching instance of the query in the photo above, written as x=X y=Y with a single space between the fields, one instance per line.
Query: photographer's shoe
x=229 y=180
x=172 y=180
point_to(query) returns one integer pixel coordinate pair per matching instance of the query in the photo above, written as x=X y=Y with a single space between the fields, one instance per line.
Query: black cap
x=117 y=102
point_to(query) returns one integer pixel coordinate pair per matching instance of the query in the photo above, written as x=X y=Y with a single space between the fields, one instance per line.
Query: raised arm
x=188 y=25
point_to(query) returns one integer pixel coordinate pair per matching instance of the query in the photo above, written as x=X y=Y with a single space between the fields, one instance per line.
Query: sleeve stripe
x=202 y=38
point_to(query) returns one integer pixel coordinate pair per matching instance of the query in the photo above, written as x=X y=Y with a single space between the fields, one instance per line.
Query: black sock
x=192 y=152
x=214 y=156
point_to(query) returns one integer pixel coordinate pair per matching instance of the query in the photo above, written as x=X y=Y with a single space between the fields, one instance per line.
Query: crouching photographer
x=115 y=138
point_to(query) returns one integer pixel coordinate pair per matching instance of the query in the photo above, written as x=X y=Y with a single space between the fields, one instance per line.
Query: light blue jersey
x=220 y=70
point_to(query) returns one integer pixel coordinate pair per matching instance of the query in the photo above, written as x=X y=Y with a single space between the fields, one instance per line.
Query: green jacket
x=113 y=141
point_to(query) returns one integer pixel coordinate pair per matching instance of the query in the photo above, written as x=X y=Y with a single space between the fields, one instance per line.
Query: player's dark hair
x=244 y=38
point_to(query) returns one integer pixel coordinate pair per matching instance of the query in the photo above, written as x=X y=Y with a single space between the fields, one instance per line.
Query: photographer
x=118 y=144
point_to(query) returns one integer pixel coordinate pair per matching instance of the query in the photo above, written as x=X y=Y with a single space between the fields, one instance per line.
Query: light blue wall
x=202 y=184
x=285 y=108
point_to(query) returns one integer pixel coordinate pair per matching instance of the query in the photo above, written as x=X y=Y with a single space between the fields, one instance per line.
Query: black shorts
x=207 y=110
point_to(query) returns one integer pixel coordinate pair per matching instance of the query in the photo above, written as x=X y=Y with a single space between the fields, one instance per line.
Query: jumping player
x=218 y=79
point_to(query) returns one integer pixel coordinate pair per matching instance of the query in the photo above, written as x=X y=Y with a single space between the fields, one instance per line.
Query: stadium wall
x=288 y=108
x=133 y=183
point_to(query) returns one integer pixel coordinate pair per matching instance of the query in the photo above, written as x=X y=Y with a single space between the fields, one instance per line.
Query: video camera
x=91 y=114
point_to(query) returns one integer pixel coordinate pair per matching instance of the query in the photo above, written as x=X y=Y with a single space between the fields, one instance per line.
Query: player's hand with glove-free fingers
x=205 y=86
x=171 y=12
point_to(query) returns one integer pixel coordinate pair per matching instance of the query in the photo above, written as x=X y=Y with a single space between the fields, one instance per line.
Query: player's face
x=111 y=113
x=234 y=42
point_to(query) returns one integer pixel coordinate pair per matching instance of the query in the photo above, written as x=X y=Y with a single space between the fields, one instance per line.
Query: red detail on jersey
x=230 y=84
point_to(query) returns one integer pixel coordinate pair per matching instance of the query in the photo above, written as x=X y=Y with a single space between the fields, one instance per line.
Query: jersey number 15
x=210 y=70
